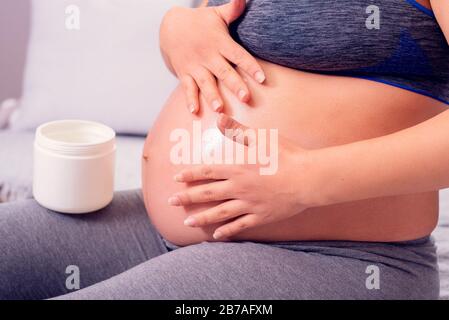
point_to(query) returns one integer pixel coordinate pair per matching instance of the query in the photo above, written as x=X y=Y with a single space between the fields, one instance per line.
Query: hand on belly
x=252 y=194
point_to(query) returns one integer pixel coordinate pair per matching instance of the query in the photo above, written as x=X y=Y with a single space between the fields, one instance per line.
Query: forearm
x=163 y=32
x=409 y=161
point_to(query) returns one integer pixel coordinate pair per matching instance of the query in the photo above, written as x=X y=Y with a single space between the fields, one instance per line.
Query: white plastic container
x=74 y=163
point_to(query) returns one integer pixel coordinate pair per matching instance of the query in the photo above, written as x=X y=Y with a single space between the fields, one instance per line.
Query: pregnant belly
x=315 y=111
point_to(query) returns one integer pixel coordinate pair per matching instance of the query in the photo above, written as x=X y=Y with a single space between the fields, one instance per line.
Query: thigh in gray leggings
x=120 y=255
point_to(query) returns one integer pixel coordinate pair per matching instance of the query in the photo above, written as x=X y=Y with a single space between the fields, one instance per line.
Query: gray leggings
x=120 y=255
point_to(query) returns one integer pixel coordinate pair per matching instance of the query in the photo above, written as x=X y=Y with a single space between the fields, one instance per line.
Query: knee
x=216 y=254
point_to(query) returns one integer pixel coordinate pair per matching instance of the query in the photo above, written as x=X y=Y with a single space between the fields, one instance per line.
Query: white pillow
x=110 y=70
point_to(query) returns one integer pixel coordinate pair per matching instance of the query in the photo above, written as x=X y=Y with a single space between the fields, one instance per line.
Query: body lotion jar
x=74 y=164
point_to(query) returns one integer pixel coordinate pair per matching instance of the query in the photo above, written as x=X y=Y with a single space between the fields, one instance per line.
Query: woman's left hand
x=250 y=199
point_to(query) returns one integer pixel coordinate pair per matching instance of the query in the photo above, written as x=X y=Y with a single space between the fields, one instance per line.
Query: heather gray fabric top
x=407 y=50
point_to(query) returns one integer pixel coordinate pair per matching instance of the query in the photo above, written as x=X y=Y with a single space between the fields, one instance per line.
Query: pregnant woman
x=358 y=95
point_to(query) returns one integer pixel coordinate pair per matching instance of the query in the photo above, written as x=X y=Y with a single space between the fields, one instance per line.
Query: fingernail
x=216 y=105
x=190 y=221
x=223 y=121
x=178 y=178
x=260 y=76
x=217 y=235
x=192 y=108
x=174 y=201
x=242 y=94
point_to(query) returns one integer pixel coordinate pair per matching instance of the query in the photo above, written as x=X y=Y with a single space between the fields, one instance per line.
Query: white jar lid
x=75 y=137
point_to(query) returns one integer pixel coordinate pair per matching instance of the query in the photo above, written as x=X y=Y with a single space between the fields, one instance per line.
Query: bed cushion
x=110 y=70
x=16 y=165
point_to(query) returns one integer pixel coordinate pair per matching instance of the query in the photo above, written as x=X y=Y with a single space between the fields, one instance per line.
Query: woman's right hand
x=198 y=49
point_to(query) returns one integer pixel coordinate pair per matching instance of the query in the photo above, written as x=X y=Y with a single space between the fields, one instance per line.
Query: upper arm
x=441 y=10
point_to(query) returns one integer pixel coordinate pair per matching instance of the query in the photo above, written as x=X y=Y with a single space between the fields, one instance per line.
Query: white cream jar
x=74 y=164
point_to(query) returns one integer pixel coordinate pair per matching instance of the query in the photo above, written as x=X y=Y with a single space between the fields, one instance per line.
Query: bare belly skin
x=315 y=111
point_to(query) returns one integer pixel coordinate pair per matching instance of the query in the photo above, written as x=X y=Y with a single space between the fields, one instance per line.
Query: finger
x=244 y=222
x=208 y=87
x=244 y=60
x=209 y=192
x=191 y=91
x=231 y=11
x=204 y=172
x=231 y=79
x=236 y=131
x=222 y=212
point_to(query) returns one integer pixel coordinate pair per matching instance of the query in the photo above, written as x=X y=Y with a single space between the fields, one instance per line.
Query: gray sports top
x=396 y=42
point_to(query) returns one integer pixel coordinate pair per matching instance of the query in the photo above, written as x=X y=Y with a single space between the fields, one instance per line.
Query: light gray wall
x=14 y=30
